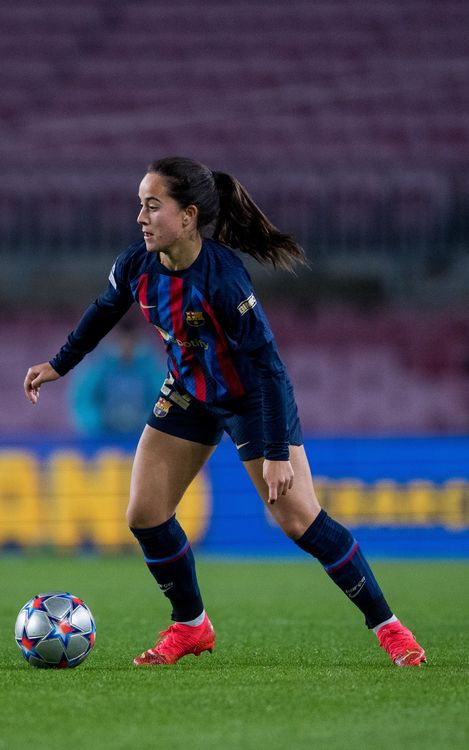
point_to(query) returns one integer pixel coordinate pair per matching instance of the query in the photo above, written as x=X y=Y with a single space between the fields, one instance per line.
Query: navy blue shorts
x=177 y=413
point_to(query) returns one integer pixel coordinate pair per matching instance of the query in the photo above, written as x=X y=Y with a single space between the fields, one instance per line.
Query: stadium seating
x=247 y=85
x=345 y=117
x=347 y=121
x=394 y=373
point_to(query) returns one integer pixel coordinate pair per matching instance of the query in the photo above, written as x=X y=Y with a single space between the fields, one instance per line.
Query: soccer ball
x=55 y=630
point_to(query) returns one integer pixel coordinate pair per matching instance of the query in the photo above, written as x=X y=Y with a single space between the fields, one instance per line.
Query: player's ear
x=191 y=213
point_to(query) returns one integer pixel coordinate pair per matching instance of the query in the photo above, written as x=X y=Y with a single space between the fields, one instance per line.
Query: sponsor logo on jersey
x=247 y=304
x=195 y=318
x=184 y=344
x=161 y=407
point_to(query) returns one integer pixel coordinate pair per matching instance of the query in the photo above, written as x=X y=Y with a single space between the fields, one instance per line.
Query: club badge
x=195 y=318
x=161 y=407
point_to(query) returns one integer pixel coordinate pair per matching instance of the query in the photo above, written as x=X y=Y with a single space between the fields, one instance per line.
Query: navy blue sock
x=338 y=552
x=170 y=561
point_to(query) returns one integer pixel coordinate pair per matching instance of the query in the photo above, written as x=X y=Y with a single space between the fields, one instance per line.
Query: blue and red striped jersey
x=207 y=316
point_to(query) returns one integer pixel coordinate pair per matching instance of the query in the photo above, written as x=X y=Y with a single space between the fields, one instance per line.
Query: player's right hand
x=35 y=377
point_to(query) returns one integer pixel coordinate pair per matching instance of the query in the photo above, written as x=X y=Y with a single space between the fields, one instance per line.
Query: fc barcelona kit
x=224 y=371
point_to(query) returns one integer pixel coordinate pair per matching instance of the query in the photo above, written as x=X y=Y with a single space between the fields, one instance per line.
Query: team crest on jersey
x=195 y=318
x=161 y=407
x=247 y=304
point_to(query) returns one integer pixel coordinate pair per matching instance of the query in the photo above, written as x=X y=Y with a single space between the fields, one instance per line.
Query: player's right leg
x=165 y=464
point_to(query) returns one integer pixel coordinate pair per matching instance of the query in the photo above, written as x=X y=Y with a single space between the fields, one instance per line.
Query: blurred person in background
x=225 y=374
x=110 y=394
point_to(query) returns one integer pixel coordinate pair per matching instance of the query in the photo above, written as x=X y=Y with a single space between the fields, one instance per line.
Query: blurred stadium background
x=349 y=124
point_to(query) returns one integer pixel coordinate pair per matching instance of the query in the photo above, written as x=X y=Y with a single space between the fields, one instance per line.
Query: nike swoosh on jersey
x=241 y=445
x=146 y=307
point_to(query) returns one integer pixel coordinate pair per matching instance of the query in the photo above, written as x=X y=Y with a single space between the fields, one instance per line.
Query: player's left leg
x=300 y=516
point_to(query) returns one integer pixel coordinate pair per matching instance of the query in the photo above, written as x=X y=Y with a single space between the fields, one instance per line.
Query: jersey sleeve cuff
x=278 y=452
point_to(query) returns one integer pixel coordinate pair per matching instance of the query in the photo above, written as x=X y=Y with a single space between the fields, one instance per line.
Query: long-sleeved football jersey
x=219 y=342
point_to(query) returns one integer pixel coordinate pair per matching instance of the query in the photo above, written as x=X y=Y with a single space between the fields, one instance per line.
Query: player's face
x=163 y=221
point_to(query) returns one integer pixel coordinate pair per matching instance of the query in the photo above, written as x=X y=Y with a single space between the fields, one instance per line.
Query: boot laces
x=396 y=640
x=173 y=637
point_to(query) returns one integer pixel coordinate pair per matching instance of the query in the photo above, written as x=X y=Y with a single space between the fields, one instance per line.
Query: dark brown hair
x=222 y=200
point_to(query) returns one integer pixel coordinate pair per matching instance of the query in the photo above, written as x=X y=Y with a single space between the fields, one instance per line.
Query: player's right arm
x=35 y=377
x=100 y=317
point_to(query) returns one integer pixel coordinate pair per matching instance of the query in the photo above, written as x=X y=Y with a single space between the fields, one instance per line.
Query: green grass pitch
x=294 y=666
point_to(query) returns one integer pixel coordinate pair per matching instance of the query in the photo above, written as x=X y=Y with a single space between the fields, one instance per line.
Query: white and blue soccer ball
x=55 y=630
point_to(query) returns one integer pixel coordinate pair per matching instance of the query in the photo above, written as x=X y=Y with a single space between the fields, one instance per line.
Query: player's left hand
x=278 y=476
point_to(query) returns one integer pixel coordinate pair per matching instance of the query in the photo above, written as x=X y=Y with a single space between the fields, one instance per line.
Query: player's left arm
x=277 y=469
x=247 y=329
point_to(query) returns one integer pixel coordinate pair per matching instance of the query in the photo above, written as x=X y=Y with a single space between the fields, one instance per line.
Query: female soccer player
x=225 y=374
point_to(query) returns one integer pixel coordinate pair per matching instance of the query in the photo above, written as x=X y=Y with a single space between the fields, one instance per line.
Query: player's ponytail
x=222 y=201
x=241 y=223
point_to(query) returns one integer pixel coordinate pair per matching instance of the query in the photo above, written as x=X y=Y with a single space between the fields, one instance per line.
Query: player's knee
x=294 y=530
x=133 y=518
x=145 y=512
x=137 y=518
x=295 y=525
